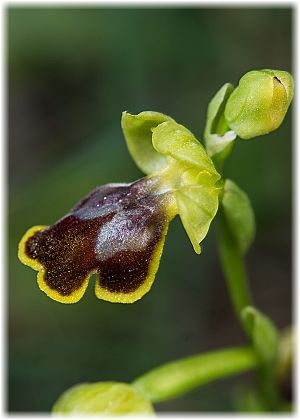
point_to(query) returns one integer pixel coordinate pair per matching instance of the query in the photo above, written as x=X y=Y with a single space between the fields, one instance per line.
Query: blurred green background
x=71 y=72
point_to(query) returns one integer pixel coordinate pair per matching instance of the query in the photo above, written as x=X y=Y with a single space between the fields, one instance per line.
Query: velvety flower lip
x=116 y=231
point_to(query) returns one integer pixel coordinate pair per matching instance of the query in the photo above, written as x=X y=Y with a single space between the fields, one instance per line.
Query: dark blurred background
x=71 y=72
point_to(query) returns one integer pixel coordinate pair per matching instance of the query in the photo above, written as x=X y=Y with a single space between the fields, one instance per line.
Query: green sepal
x=137 y=131
x=217 y=134
x=239 y=215
x=262 y=332
x=102 y=399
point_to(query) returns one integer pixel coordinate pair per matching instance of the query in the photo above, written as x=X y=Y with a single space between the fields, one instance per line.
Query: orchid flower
x=118 y=230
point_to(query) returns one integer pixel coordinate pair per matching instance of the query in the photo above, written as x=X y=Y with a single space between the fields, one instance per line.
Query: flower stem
x=234 y=270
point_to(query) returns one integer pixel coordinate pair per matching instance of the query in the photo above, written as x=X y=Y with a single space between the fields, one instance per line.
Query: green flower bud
x=259 y=104
x=102 y=398
x=285 y=363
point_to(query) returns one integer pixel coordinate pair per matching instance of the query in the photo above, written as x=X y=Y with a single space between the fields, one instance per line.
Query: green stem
x=179 y=377
x=234 y=270
x=267 y=386
x=233 y=266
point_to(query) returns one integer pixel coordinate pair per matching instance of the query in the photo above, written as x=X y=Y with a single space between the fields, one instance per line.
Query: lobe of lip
x=117 y=231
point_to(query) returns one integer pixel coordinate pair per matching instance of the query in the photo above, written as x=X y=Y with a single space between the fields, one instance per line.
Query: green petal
x=197 y=206
x=137 y=130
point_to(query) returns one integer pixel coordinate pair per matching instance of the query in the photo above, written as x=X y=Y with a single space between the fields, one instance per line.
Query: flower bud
x=102 y=398
x=285 y=364
x=259 y=104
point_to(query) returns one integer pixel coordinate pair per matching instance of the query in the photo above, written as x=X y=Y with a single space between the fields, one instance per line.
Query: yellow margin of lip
x=100 y=292
x=104 y=294
x=36 y=265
